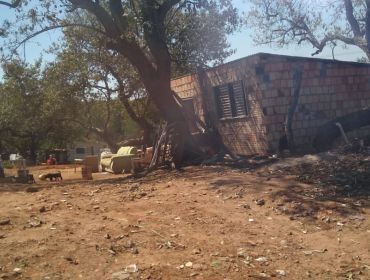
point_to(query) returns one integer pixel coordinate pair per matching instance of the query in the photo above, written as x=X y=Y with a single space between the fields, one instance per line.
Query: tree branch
x=116 y=10
x=57 y=27
x=13 y=5
x=351 y=18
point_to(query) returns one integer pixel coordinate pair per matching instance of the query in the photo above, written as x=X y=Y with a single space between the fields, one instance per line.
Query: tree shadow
x=311 y=202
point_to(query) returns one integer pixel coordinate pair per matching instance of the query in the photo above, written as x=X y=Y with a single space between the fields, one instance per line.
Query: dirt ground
x=201 y=223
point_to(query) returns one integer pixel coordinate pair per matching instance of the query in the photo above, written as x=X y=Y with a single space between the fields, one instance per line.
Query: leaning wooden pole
x=288 y=125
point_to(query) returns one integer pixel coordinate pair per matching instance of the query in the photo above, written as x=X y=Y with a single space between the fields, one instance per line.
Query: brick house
x=247 y=100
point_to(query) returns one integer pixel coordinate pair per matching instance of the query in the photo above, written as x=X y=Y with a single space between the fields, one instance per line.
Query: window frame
x=231 y=98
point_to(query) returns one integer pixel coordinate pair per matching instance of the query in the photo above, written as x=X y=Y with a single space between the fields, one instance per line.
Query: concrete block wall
x=189 y=87
x=329 y=89
x=242 y=135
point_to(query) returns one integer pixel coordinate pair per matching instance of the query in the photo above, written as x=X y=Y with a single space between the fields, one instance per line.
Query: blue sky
x=241 y=42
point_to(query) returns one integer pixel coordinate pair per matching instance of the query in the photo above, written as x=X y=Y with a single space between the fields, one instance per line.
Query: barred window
x=230 y=100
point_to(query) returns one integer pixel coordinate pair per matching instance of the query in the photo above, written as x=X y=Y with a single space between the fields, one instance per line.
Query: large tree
x=139 y=30
x=31 y=116
x=316 y=22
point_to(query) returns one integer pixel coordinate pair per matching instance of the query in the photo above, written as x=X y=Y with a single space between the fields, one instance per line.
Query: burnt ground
x=202 y=223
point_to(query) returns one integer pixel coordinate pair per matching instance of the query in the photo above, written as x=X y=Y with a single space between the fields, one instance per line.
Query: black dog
x=53 y=176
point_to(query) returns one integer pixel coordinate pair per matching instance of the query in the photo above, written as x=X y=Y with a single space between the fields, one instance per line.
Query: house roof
x=289 y=57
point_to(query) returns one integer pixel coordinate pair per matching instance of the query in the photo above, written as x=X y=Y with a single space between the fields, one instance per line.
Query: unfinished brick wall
x=329 y=89
x=245 y=135
x=188 y=87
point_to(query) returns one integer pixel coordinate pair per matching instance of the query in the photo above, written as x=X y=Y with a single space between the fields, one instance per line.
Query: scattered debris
x=310 y=252
x=17 y=270
x=261 y=259
x=4 y=221
x=71 y=260
x=34 y=223
x=242 y=253
x=281 y=272
x=132 y=268
x=260 y=201
x=32 y=189
x=120 y=275
x=189 y=264
x=196 y=251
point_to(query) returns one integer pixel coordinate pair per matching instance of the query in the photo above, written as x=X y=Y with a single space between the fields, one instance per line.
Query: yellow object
x=120 y=162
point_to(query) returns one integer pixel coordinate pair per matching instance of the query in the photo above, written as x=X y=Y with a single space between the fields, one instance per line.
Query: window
x=230 y=100
x=80 y=151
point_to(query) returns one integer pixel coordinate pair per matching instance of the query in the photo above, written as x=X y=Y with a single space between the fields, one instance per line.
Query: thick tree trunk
x=33 y=149
x=163 y=98
x=330 y=131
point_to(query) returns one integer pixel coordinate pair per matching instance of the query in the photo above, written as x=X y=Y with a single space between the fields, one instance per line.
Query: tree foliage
x=151 y=35
x=316 y=23
x=148 y=34
x=31 y=117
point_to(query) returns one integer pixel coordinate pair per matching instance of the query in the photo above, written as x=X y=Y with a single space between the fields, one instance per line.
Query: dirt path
x=203 y=223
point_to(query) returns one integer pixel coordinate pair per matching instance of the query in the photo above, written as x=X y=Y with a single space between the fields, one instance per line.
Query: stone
x=259 y=201
x=246 y=206
x=35 y=223
x=32 y=189
x=120 y=275
x=189 y=264
x=281 y=272
x=241 y=253
x=196 y=251
x=132 y=268
x=216 y=263
x=129 y=244
x=4 y=276
x=107 y=236
x=17 y=270
x=261 y=259
x=4 y=221
x=42 y=209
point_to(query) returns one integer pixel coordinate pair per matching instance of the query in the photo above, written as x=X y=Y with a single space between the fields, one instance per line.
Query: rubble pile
x=348 y=173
